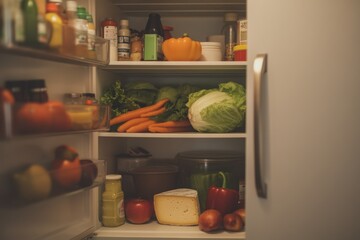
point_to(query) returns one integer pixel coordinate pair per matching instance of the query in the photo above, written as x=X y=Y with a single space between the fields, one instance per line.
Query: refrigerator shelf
x=228 y=67
x=100 y=57
x=22 y=179
x=51 y=118
x=153 y=230
x=173 y=135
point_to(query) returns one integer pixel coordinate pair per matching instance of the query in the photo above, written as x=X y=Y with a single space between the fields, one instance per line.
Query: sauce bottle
x=91 y=36
x=81 y=41
x=124 y=40
x=109 y=30
x=52 y=15
x=113 y=202
x=153 y=38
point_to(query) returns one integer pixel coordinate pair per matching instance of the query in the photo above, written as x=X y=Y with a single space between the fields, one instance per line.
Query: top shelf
x=188 y=7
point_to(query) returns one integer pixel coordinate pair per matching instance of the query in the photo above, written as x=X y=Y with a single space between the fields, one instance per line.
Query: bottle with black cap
x=153 y=38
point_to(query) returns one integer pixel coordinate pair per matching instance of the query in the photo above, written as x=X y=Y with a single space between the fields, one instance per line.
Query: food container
x=152 y=179
x=126 y=164
x=200 y=169
x=211 y=51
x=240 y=52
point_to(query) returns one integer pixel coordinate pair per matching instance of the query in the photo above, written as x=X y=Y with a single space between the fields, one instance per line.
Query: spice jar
x=113 y=202
x=136 y=47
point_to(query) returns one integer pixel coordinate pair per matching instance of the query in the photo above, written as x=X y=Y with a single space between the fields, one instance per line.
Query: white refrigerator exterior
x=309 y=120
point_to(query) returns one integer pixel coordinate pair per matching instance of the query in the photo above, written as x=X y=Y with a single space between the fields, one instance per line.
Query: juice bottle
x=113 y=202
x=52 y=15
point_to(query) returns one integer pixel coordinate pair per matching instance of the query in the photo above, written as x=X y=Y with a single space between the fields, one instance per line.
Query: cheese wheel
x=177 y=207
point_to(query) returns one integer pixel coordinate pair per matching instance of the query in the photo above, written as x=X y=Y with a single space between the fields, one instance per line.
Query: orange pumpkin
x=181 y=49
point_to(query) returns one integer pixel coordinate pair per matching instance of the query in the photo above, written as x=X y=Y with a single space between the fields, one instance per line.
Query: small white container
x=211 y=51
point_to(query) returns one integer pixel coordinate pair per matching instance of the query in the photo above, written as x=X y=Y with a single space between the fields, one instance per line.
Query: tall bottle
x=44 y=27
x=52 y=15
x=153 y=38
x=17 y=22
x=69 y=28
x=124 y=40
x=81 y=39
x=109 y=31
x=113 y=202
x=91 y=36
x=229 y=30
x=30 y=14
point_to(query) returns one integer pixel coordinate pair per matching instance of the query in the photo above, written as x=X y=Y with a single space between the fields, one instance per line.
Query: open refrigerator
x=75 y=214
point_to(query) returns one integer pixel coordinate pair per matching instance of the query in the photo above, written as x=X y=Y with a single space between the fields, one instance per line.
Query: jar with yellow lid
x=113 y=202
x=240 y=52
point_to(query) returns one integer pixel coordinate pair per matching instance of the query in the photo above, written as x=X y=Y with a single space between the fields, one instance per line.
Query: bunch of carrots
x=139 y=120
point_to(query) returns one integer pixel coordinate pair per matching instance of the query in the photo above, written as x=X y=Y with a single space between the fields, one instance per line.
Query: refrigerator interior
x=76 y=215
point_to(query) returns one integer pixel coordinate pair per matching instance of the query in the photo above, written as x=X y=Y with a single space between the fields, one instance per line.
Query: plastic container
x=199 y=170
x=211 y=51
x=240 y=52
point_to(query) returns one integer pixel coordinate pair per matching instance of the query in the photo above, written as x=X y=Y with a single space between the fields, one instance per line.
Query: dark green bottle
x=30 y=13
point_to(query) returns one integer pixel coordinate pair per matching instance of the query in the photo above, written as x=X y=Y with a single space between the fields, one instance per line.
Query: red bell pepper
x=223 y=199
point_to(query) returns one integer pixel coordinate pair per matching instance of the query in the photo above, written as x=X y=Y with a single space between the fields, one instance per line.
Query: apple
x=89 y=172
x=232 y=222
x=138 y=210
x=241 y=213
x=210 y=220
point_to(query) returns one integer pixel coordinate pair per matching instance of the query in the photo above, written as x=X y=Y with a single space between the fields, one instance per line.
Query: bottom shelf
x=154 y=230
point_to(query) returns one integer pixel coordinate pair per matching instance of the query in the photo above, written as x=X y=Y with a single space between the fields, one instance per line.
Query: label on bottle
x=123 y=47
x=152 y=47
x=110 y=33
x=81 y=32
x=91 y=39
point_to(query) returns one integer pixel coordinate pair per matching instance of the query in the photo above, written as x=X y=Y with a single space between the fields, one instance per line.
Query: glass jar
x=113 y=202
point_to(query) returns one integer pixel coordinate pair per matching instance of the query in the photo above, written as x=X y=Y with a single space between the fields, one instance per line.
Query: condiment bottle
x=37 y=91
x=109 y=30
x=69 y=28
x=113 y=202
x=73 y=98
x=229 y=30
x=54 y=18
x=30 y=14
x=91 y=36
x=136 y=47
x=81 y=41
x=44 y=27
x=124 y=40
x=153 y=38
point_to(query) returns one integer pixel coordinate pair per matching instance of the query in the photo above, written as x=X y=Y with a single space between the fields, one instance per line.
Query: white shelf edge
x=172 y=135
x=153 y=230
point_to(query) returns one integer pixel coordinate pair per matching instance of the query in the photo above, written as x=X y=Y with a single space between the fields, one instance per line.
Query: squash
x=181 y=49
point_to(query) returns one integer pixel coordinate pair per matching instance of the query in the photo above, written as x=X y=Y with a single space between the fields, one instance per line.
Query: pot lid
x=212 y=155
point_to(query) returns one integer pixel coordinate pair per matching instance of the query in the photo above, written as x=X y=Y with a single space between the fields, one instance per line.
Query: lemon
x=34 y=183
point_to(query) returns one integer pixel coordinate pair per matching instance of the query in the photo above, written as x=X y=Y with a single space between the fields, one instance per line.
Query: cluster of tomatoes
x=51 y=116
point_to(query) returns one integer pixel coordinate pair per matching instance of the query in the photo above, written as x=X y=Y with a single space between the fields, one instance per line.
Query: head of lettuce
x=219 y=110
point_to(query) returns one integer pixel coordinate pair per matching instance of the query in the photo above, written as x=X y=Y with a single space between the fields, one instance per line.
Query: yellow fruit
x=34 y=183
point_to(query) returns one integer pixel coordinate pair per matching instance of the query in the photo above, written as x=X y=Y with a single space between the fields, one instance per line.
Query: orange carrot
x=141 y=127
x=136 y=113
x=183 y=123
x=155 y=129
x=153 y=113
x=132 y=122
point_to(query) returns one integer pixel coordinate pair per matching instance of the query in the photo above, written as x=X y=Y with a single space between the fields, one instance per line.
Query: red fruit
x=59 y=118
x=233 y=222
x=138 y=210
x=88 y=172
x=241 y=213
x=66 y=167
x=32 y=118
x=210 y=220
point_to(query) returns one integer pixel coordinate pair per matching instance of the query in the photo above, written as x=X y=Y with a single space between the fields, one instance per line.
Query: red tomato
x=32 y=118
x=66 y=173
x=138 y=210
x=66 y=166
x=60 y=119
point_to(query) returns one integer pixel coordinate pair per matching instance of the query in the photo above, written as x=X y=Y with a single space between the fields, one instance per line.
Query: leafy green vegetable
x=118 y=101
x=143 y=93
x=218 y=110
x=168 y=92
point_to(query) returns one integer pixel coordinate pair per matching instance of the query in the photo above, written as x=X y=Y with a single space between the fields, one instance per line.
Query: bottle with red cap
x=53 y=16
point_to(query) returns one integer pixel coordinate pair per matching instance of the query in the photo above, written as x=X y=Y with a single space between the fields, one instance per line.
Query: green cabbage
x=219 y=110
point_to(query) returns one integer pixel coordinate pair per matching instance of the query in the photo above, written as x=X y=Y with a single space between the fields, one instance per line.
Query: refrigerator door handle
x=260 y=68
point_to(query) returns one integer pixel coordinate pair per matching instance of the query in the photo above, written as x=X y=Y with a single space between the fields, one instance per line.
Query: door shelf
x=153 y=230
x=45 y=186
x=173 y=135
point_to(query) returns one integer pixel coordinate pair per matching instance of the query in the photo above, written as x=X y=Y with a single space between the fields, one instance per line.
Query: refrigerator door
x=308 y=120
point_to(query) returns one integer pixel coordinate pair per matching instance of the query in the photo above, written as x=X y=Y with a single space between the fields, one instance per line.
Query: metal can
x=242 y=31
